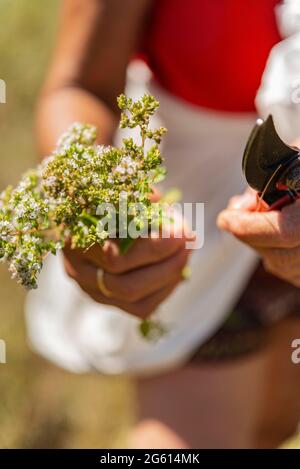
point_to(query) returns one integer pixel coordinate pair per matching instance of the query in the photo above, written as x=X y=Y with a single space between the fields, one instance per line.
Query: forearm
x=95 y=42
x=59 y=108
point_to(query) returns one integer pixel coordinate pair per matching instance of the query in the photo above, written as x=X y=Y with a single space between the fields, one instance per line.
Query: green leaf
x=152 y=330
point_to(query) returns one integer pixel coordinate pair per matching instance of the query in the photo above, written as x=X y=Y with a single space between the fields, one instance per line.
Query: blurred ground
x=41 y=406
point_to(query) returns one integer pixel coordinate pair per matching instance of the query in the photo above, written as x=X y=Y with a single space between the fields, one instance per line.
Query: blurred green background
x=40 y=405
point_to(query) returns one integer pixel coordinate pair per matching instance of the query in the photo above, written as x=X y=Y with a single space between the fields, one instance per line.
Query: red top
x=211 y=53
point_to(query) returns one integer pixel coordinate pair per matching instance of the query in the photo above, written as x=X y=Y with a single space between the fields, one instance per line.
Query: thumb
x=246 y=201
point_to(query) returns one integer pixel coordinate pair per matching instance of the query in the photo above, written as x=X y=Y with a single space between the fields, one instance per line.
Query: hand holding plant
x=56 y=206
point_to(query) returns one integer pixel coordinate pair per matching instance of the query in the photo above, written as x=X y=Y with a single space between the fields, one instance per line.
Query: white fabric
x=288 y=17
x=203 y=151
x=279 y=93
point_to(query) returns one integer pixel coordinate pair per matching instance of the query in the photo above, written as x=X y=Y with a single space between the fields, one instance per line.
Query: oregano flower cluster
x=57 y=202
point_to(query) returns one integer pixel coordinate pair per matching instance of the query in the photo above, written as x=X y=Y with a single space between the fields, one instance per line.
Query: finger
x=140 y=283
x=254 y=228
x=264 y=229
x=132 y=286
x=144 y=251
x=140 y=309
x=80 y=270
x=245 y=201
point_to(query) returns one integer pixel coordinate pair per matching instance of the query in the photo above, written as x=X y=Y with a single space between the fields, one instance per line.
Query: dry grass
x=41 y=406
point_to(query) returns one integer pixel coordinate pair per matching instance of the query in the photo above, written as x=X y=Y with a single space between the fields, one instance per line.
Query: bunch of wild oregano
x=58 y=201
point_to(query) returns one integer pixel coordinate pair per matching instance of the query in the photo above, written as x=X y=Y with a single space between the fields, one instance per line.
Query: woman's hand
x=137 y=281
x=274 y=235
